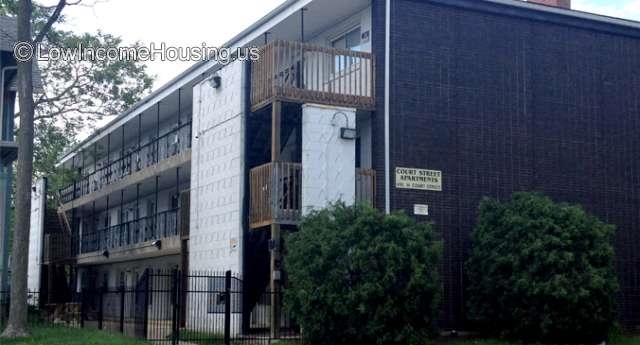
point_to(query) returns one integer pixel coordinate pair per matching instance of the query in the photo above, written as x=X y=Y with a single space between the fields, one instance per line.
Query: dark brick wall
x=502 y=103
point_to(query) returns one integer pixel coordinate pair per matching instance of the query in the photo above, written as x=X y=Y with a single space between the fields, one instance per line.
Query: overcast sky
x=191 y=22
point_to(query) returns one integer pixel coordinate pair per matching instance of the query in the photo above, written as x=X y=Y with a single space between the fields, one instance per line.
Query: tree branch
x=54 y=17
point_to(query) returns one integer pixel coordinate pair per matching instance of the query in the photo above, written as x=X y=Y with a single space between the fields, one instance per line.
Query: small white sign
x=421 y=210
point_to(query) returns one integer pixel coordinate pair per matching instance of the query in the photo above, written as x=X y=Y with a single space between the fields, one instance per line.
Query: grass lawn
x=72 y=336
x=201 y=338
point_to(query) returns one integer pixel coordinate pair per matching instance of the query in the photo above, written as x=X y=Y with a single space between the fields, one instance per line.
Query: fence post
x=82 y=300
x=147 y=273
x=122 y=308
x=227 y=308
x=101 y=309
x=174 y=306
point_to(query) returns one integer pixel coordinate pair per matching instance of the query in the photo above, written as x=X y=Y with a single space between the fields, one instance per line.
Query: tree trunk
x=17 y=325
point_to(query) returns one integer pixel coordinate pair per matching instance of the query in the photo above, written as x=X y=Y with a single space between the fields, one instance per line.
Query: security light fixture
x=215 y=81
x=105 y=253
x=347 y=133
x=157 y=244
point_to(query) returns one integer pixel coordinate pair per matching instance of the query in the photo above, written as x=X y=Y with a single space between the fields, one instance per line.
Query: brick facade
x=503 y=103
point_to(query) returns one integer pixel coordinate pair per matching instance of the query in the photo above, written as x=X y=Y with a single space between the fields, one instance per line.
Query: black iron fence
x=34 y=312
x=170 y=308
x=132 y=160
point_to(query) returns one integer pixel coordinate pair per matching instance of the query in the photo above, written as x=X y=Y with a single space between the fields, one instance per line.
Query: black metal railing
x=134 y=159
x=144 y=229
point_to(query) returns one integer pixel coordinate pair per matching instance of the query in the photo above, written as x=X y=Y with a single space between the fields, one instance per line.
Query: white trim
x=387 y=68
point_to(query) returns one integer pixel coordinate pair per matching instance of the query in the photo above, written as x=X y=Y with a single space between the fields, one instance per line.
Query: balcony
x=168 y=145
x=305 y=73
x=57 y=248
x=145 y=229
x=276 y=193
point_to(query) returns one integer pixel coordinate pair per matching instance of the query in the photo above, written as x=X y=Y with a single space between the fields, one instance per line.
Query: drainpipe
x=8 y=172
x=387 y=64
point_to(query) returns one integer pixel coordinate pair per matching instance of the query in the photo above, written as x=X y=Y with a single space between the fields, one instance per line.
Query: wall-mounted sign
x=421 y=210
x=423 y=179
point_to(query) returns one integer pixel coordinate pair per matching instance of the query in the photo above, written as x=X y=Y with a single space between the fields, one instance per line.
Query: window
x=349 y=41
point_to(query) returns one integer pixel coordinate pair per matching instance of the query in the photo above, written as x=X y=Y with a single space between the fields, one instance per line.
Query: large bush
x=541 y=271
x=358 y=276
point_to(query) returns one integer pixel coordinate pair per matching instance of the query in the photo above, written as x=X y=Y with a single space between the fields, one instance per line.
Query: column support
x=275 y=244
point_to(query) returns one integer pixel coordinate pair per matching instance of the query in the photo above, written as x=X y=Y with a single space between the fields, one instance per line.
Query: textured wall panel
x=328 y=161
x=217 y=174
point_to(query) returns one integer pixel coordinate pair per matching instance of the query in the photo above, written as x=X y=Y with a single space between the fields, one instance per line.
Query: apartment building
x=421 y=106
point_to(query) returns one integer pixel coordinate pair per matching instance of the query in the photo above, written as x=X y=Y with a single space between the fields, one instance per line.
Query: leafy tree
x=78 y=93
x=541 y=271
x=17 y=325
x=358 y=276
x=75 y=94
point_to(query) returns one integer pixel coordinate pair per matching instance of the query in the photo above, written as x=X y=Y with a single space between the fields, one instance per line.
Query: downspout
x=387 y=64
x=4 y=231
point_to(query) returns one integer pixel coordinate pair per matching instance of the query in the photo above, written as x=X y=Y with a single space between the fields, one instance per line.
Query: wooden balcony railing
x=306 y=73
x=57 y=248
x=275 y=194
x=366 y=186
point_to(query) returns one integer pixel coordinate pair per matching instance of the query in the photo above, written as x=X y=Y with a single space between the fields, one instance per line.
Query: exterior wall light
x=105 y=254
x=157 y=244
x=215 y=81
x=347 y=133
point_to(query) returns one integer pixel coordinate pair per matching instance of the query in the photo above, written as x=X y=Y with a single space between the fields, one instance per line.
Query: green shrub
x=540 y=271
x=358 y=276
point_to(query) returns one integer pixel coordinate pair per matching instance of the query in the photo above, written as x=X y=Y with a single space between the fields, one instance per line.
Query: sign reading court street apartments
x=422 y=179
